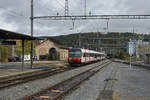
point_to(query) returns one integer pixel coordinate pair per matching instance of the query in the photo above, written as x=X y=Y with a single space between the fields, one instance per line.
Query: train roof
x=89 y=51
x=92 y=51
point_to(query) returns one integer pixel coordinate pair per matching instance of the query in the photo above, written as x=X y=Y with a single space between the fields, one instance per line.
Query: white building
x=131 y=47
x=138 y=48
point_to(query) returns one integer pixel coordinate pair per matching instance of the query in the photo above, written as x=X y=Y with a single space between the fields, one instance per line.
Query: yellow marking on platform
x=108 y=95
x=62 y=70
x=115 y=95
x=53 y=69
x=58 y=71
x=56 y=91
x=44 y=97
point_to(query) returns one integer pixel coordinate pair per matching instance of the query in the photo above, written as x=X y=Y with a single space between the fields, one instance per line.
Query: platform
x=133 y=83
x=127 y=84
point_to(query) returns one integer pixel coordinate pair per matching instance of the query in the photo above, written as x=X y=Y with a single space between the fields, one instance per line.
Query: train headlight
x=70 y=58
x=78 y=59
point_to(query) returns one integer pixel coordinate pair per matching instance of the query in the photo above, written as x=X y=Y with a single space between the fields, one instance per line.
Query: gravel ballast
x=90 y=89
x=26 y=89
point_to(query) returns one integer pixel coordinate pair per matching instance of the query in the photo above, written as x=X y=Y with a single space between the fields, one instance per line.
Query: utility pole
x=31 y=57
x=133 y=30
x=85 y=8
x=0 y=54
x=66 y=8
x=135 y=45
x=143 y=46
x=79 y=40
x=22 y=54
x=97 y=41
x=130 y=51
x=119 y=42
x=107 y=25
x=148 y=47
x=142 y=49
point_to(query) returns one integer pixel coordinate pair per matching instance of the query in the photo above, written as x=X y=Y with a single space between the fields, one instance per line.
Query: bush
x=123 y=55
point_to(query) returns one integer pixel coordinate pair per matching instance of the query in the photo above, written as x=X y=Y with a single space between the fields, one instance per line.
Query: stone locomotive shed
x=48 y=50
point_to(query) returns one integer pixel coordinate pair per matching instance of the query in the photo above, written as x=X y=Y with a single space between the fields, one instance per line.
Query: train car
x=79 y=56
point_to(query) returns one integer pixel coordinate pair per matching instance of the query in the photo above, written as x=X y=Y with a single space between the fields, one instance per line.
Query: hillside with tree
x=113 y=43
x=89 y=39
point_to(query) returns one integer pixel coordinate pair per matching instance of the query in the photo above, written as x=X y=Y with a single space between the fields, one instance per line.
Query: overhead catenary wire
x=44 y=6
x=17 y=14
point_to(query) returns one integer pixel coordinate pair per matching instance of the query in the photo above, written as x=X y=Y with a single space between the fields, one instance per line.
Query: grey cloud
x=18 y=13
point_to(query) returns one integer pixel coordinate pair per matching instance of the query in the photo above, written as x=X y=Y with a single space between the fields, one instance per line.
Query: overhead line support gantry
x=83 y=17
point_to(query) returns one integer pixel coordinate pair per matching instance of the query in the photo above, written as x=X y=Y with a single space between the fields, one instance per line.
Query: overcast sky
x=14 y=16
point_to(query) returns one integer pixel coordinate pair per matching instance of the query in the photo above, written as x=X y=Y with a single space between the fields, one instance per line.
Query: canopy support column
x=22 y=54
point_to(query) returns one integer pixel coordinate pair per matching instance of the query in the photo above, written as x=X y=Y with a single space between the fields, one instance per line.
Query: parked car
x=14 y=59
x=17 y=59
x=10 y=59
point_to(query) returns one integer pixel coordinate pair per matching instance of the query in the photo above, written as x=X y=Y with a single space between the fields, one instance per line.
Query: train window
x=88 y=55
x=93 y=55
x=96 y=55
x=74 y=53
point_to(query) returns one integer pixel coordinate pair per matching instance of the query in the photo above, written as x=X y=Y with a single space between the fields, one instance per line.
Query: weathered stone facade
x=48 y=50
x=64 y=54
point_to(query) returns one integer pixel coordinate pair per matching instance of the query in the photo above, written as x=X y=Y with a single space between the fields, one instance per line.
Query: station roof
x=5 y=34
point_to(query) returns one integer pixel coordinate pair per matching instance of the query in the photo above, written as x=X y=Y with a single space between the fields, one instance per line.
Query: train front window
x=74 y=53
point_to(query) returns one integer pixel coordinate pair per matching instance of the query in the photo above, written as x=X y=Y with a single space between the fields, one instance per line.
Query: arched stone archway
x=52 y=54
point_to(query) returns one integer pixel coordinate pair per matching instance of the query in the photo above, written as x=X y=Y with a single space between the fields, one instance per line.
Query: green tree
x=123 y=55
x=6 y=50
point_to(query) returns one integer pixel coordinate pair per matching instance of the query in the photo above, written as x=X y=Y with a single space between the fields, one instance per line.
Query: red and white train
x=79 y=56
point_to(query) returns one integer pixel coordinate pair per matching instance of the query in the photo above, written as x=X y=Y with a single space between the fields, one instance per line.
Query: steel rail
x=9 y=81
x=75 y=85
x=67 y=80
x=26 y=77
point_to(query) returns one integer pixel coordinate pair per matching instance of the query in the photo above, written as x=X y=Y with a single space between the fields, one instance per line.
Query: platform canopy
x=5 y=34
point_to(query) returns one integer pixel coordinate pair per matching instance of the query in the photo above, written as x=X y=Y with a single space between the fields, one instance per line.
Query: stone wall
x=64 y=54
x=45 y=48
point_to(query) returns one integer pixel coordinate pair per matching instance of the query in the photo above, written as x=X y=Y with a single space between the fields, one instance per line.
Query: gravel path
x=90 y=89
x=19 y=91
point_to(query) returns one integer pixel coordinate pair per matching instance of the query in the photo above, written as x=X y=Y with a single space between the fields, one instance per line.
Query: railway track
x=57 y=91
x=6 y=82
x=13 y=80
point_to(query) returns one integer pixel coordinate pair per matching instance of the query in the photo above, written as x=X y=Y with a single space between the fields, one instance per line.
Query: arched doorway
x=52 y=54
